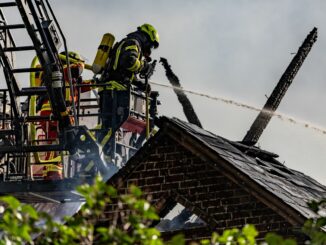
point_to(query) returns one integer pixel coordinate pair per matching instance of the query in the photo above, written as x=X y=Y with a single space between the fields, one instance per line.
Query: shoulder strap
x=117 y=55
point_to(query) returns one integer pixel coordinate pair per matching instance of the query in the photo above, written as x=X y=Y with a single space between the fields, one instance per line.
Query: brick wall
x=172 y=171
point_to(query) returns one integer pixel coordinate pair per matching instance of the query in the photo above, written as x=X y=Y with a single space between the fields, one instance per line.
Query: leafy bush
x=129 y=224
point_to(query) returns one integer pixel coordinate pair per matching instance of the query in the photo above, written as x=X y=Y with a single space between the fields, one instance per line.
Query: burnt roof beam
x=188 y=109
x=265 y=115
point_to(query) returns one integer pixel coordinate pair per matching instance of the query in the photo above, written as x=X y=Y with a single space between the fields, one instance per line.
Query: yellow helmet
x=152 y=33
x=72 y=55
x=75 y=56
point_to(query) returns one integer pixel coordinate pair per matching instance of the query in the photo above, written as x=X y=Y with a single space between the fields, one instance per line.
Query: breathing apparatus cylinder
x=103 y=53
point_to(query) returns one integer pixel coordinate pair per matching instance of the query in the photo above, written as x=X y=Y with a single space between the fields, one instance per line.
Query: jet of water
x=278 y=115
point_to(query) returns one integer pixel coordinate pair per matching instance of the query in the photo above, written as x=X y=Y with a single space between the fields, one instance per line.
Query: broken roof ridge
x=254 y=151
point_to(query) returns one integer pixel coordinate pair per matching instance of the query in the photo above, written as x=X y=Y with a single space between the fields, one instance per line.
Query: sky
x=232 y=49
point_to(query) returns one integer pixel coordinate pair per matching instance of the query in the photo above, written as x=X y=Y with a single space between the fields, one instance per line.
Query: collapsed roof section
x=292 y=187
x=223 y=184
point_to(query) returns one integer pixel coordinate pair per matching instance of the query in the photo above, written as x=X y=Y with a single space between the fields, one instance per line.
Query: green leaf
x=134 y=190
x=111 y=191
x=177 y=240
x=24 y=232
x=249 y=231
x=30 y=211
x=228 y=235
x=205 y=242
x=314 y=206
x=289 y=242
x=11 y=201
x=273 y=239
x=321 y=222
x=151 y=215
x=215 y=237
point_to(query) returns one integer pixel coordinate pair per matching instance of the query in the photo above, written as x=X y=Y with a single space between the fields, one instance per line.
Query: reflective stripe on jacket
x=126 y=61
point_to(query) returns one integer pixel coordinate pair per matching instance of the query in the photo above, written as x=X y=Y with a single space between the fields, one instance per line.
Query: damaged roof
x=292 y=187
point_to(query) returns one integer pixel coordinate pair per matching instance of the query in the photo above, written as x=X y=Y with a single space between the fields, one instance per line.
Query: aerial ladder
x=46 y=39
x=21 y=149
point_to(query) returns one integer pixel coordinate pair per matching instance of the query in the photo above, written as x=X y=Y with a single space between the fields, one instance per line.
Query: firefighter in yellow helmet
x=131 y=55
x=54 y=171
x=129 y=58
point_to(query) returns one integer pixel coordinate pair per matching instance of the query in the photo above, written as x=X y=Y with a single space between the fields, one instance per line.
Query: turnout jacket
x=126 y=61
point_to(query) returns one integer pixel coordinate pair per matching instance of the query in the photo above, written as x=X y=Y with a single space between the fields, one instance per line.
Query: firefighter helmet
x=72 y=55
x=151 y=33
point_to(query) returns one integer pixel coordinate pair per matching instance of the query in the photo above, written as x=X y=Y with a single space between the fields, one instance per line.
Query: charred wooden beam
x=182 y=97
x=278 y=93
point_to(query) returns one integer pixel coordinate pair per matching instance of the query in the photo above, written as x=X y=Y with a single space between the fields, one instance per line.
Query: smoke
x=281 y=116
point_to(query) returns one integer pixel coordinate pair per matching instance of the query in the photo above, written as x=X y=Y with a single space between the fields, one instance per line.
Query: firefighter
x=129 y=57
x=54 y=170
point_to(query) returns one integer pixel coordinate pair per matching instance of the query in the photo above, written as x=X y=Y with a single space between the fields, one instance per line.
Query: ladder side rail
x=43 y=15
x=73 y=104
x=7 y=63
x=7 y=38
x=47 y=57
x=4 y=105
x=13 y=96
x=55 y=93
x=43 y=7
x=11 y=83
x=27 y=19
x=15 y=123
x=3 y=17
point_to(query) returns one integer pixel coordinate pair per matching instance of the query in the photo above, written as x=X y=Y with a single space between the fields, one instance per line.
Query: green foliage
x=21 y=222
x=274 y=239
x=129 y=223
x=315 y=228
x=246 y=236
x=17 y=222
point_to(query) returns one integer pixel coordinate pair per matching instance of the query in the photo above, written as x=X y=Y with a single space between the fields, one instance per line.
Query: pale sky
x=233 y=49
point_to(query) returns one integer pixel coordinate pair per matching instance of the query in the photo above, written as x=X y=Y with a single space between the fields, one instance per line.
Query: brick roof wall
x=170 y=172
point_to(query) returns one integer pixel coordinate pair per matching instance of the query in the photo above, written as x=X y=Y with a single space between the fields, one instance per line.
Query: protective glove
x=148 y=69
x=148 y=59
x=142 y=86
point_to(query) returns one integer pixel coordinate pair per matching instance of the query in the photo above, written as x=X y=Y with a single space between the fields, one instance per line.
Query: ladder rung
x=8 y=4
x=16 y=26
x=21 y=70
x=7 y=131
x=33 y=91
x=22 y=48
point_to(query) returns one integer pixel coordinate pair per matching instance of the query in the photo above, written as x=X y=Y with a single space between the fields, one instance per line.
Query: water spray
x=278 y=115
